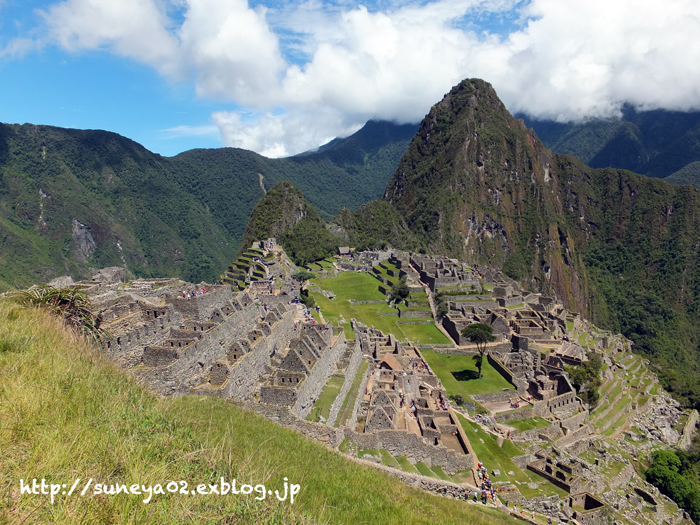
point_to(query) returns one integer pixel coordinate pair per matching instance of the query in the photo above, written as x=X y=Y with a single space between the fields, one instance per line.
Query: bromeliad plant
x=71 y=304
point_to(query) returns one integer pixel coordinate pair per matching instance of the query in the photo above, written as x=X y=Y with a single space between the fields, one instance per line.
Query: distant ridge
x=72 y=200
x=657 y=143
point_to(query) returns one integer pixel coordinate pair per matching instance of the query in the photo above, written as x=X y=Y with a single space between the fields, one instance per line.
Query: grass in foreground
x=68 y=413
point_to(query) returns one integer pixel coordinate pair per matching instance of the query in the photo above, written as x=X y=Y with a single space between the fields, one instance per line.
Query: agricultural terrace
x=486 y=448
x=360 y=286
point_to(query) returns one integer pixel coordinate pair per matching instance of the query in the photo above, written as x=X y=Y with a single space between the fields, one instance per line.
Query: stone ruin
x=405 y=402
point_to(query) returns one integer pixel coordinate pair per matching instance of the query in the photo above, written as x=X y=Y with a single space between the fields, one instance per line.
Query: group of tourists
x=488 y=492
x=418 y=365
x=196 y=293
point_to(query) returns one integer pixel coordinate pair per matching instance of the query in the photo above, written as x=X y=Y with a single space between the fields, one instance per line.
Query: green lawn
x=529 y=424
x=323 y=405
x=363 y=287
x=459 y=374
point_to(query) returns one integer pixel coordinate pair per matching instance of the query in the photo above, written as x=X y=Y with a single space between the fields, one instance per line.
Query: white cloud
x=191 y=131
x=282 y=135
x=569 y=59
x=137 y=29
x=233 y=51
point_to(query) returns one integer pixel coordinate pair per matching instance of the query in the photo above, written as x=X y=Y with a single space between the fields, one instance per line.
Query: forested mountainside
x=658 y=143
x=72 y=200
x=620 y=247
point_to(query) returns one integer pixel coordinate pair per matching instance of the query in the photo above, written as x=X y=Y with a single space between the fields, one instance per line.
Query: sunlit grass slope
x=67 y=413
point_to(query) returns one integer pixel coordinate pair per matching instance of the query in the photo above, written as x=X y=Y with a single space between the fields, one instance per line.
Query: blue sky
x=283 y=77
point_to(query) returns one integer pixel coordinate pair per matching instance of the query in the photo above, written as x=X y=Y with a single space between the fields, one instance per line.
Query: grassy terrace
x=459 y=375
x=322 y=407
x=529 y=424
x=100 y=424
x=490 y=454
x=624 y=401
x=363 y=287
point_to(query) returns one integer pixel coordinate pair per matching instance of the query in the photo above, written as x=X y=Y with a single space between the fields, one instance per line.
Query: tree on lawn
x=303 y=276
x=400 y=291
x=479 y=334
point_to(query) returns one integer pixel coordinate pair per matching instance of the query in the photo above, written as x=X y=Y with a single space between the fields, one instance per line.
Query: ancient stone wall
x=274 y=395
x=202 y=307
x=575 y=421
x=126 y=349
x=245 y=373
x=572 y=437
x=284 y=417
x=195 y=361
x=311 y=388
x=564 y=405
x=352 y=421
x=496 y=397
x=623 y=478
x=688 y=431
x=350 y=372
x=404 y=313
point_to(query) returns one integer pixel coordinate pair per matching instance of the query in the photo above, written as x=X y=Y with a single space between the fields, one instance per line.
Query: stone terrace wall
x=127 y=349
x=402 y=443
x=245 y=373
x=311 y=388
x=500 y=367
x=282 y=416
x=432 y=485
x=197 y=359
x=688 y=431
x=352 y=421
x=574 y=436
x=624 y=477
x=576 y=421
x=350 y=372
x=200 y=308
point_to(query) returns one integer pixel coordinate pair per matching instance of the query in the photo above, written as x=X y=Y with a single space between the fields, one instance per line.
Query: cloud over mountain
x=298 y=73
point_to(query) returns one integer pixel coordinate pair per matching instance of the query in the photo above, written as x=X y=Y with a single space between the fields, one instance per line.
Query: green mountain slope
x=620 y=247
x=655 y=143
x=283 y=213
x=73 y=200
x=688 y=174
